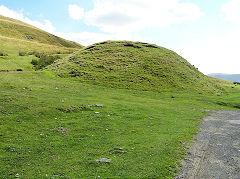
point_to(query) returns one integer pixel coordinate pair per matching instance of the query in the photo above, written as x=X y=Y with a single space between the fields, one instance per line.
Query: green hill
x=134 y=65
x=18 y=30
x=20 y=43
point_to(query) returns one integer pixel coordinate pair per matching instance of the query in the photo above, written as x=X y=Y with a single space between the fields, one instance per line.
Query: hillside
x=12 y=28
x=20 y=43
x=134 y=65
x=228 y=77
x=52 y=127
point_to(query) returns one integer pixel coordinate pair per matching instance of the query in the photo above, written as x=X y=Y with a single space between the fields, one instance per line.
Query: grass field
x=45 y=133
x=52 y=127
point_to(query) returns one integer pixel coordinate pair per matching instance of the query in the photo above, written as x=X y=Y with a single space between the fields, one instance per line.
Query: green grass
x=135 y=65
x=151 y=127
x=48 y=129
x=19 y=30
x=12 y=47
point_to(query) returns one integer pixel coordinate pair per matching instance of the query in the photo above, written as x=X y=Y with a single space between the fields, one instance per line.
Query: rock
x=103 y=160
x=28 y=38
x=96 y=105
x=62 y=129
x=100 y=105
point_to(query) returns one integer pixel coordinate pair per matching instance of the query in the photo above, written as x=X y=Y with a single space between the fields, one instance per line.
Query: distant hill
x=228 y=77
x=134 y=65
x=15 y=29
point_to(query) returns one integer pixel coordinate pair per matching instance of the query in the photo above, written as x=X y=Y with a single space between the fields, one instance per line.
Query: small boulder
x=100 y=105
x=96 y=105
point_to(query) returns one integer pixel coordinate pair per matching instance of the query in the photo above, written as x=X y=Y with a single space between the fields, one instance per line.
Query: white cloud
x=231 y=10
x=88 y=38
x=85 y=38
x=214 y=53
x=130 y=15
x=75 y=12
x=46 y=25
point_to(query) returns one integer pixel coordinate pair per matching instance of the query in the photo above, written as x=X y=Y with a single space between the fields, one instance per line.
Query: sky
x=204 y=32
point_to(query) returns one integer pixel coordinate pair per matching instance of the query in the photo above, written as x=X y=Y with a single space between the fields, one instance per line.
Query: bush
x=44 y=61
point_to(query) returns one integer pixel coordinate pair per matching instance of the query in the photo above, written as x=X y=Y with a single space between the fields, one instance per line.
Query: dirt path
x=215 y=154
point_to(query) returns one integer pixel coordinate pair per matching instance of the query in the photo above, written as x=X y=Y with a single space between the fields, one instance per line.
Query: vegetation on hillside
x=135 y=65
x=44 y=61
x=16 y=29
x=16 y=52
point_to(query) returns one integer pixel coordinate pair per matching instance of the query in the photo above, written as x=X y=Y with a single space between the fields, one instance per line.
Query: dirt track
x=215 y=153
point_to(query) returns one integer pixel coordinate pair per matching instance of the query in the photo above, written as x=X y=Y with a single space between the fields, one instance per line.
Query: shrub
x=44 y=61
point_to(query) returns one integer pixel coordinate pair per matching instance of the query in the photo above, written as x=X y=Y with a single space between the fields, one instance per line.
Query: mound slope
x=18 y=30
x=134 y=65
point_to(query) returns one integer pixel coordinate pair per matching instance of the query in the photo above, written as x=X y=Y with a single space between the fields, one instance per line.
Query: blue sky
x=204 y=32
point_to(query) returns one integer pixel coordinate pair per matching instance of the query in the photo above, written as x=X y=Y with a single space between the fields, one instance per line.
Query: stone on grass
x=103 y=160
x=100 y=105
x=96 y=105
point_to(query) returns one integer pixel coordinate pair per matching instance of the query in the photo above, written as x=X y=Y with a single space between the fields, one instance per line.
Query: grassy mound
x=134 y=65
x=18 y=30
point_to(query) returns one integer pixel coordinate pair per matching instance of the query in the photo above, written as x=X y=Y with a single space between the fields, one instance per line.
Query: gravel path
x=215 y=153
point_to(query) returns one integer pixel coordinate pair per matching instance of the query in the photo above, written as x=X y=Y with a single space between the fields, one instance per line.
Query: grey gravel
x=215 y=153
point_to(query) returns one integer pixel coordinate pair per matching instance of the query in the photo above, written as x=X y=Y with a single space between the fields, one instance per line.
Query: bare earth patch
x=215 y=153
